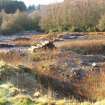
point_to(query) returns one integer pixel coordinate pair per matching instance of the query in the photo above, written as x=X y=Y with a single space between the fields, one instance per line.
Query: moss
x=3 y=92
x=3 y=101
x=22 y=100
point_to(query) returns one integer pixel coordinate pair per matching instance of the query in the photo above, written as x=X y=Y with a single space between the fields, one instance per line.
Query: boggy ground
x=27 y=41
x=20 y=86
x=67 y=70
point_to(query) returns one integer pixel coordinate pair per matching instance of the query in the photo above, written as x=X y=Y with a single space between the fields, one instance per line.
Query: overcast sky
x=36 y=2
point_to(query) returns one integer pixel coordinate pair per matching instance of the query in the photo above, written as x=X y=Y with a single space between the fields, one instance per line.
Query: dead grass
x=42 y=54
x=80 y=43
x=45 y=63
x=91 y=86
x=21 y=41
x=12 y=57
x=83 y=46
x=95 y=33
x=53 y=36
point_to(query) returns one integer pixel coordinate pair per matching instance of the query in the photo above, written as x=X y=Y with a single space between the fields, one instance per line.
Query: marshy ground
x=65 y=72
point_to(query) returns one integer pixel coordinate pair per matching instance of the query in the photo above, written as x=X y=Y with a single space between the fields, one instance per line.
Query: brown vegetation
x=12 y=57
x=84 y=46
x=54 y=68
x=91 y=86
x=72 y=19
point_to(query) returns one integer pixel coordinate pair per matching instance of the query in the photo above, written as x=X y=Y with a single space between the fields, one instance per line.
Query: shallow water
x=9 y=37
x=5 y=38
x=23 y=49
x=26 y=34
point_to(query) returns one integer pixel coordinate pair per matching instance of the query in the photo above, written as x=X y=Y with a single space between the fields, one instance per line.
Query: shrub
x=9 y=24
x=22 y=19
x=17 y=22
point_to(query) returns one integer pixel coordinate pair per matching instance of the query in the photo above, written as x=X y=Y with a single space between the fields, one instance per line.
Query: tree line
x=18 y=21
x=10 y=6
x=71 y=15
x=16 y=17
x=74 y=15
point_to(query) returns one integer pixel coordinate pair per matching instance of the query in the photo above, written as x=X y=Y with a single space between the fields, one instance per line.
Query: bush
x=22 y=19
x=9 y=25
x=17 y=22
